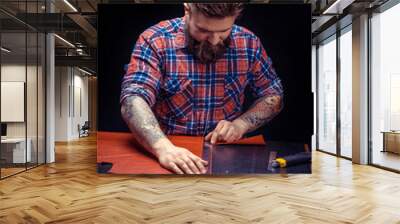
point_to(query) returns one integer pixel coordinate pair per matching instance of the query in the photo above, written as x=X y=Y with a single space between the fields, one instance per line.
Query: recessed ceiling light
x=84 y=71
x=5 y=49
x=70 y=5
x=64 y=40
x=337 y=7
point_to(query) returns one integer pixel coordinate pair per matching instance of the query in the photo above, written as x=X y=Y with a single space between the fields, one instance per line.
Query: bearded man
x=187 y=76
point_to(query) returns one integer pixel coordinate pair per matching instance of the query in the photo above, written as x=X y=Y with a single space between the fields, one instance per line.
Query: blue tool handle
x=298 y=158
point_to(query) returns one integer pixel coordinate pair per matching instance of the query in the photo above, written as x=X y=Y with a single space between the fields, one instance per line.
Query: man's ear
x=186 y=7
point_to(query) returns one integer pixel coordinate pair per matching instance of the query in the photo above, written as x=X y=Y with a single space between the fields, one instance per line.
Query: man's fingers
x=182 y=161
x=214 y=137
x=175 y=168
x=224 y=131
x=208 y=136
x=202 y=160
x=184 y=167
x=192 y=165
x=199 y=163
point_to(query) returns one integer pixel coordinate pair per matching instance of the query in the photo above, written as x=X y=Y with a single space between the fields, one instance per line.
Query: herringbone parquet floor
x=70 y=191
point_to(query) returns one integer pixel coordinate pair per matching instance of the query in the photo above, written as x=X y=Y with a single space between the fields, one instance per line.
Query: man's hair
x=218 y=10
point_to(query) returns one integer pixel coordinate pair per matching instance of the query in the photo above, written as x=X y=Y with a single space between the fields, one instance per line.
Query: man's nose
x=214 y=39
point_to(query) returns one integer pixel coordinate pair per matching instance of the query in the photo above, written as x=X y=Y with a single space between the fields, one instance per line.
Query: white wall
x=71 y=94
x=80 y=102
x=61 y=103
x=14 y=73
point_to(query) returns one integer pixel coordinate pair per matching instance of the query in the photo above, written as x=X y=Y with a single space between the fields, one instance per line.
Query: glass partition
x=31 y=100
x=41 y=107
x=14 y=145
x=32 y=96
x=346 y=93
x=385 y=88
x=22 y=64
x=327 y=95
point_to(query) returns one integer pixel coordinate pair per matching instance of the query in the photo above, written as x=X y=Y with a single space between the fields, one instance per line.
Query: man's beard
x=206 y=52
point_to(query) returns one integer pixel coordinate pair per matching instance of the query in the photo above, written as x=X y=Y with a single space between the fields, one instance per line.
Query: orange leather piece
x=128 y=157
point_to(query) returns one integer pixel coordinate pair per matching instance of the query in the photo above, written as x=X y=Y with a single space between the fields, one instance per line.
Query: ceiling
x=76 y=21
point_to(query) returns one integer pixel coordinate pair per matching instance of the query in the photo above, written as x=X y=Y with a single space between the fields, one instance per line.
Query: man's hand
x=181 y=160
x=144 y=126
x=227 y=131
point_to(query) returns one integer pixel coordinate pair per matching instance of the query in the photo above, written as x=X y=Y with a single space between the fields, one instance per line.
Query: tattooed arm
x=267 y=88
x=145 y=128
x=143 y=124
x=262 y=111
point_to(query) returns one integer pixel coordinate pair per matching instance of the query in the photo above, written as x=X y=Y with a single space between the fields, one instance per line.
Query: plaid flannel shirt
x=189 y=97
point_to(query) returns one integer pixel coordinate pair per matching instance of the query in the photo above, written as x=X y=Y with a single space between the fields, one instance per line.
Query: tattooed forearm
x=141 y=121
x=262 y=111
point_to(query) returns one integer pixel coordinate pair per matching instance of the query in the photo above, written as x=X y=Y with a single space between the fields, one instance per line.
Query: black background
x=284 y=30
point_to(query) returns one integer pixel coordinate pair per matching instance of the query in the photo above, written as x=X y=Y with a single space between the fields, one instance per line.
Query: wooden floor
x=70 y=191
x=5 y=172
x=387 y=159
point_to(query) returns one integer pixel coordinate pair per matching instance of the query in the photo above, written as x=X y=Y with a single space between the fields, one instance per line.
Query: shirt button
x=179 y=40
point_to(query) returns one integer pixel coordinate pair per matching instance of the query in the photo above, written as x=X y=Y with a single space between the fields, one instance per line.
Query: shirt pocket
x=235 y=85
x=176 y=100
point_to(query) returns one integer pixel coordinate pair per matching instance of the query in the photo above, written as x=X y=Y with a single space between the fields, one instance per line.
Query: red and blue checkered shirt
x=189 y=97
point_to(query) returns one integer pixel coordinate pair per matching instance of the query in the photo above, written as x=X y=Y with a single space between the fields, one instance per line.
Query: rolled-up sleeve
x=143 y=73
x=265 y=81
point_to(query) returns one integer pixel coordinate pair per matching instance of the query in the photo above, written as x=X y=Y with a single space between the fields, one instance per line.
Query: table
x=391 y=141
x=13 y=150
x=120 y=153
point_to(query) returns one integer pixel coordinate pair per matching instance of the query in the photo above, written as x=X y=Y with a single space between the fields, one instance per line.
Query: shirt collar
x=181 y=39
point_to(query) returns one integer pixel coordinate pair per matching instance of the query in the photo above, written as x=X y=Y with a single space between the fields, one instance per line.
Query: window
x=327 y=96
x=385 y=86
x=346 y=93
